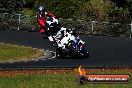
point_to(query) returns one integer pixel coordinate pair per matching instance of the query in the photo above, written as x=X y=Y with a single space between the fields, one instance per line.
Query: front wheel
x=77 y=53
x=74 y=52
x=86 y=54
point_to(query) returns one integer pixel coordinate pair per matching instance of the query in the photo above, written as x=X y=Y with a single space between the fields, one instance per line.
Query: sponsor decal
x=101 y=78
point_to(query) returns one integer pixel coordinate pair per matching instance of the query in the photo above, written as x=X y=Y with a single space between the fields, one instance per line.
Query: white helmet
x=41 y=10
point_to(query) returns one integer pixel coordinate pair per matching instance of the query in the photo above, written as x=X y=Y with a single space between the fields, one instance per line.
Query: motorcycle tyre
x=75 y=53
x=59 y=53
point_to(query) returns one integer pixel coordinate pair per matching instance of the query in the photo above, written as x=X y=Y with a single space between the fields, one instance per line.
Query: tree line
x=89 y=10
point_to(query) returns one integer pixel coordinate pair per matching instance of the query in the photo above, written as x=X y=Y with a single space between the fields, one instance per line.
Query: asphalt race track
x=104 y=51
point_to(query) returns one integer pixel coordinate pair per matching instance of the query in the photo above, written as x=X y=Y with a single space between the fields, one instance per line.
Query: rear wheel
x=59 y=53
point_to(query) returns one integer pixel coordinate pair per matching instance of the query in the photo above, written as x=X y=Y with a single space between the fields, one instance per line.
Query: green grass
x=66 y=80
x=15 y=52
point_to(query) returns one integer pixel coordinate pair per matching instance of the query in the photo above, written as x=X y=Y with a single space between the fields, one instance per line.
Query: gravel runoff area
x=11 y=73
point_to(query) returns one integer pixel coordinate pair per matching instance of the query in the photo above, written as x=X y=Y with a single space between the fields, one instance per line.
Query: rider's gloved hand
x=55 y=20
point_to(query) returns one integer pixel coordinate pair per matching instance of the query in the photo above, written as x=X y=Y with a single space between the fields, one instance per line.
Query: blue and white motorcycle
x=71 y=45
x=67 y=42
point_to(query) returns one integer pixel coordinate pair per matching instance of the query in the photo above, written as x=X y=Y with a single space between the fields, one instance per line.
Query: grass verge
x=14 y=52
x=55 y=79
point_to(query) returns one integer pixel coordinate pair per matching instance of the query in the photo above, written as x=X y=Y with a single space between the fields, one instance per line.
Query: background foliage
x=100 y=10
x=111 y=17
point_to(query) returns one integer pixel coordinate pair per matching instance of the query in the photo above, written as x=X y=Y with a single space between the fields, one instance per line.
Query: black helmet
x=41 y=10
